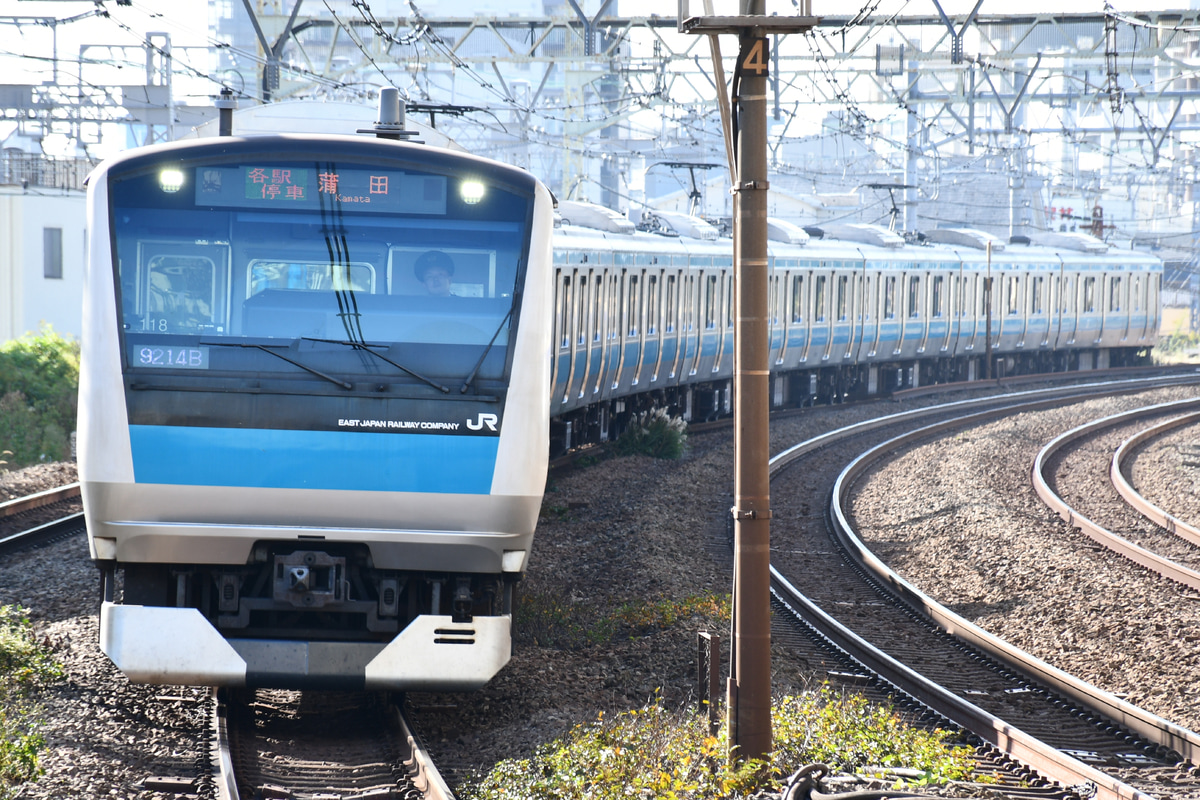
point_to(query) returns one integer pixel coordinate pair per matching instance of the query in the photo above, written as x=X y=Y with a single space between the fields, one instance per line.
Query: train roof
x=858 y=241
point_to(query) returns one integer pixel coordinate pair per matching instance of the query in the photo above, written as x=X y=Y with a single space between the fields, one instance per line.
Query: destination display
x=328 y=188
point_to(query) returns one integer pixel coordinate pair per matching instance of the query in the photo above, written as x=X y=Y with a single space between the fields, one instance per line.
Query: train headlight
x=471 y=192
x=171 y=180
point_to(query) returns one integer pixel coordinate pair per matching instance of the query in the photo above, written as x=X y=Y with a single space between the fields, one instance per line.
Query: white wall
x=27 y=297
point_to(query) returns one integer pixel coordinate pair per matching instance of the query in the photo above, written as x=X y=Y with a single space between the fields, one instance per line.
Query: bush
x=655 y=753
x=24 y=668
x=39 y=389
x=654 y=433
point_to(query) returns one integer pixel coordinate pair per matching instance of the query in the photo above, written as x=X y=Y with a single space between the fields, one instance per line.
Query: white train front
x=313 y=428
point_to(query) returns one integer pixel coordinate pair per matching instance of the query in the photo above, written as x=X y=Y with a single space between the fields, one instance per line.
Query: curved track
x=1120 y=468
x=1025 y=709
x=1154 y=553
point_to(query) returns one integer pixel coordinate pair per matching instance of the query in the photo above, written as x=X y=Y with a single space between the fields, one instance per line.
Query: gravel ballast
x=632 y=529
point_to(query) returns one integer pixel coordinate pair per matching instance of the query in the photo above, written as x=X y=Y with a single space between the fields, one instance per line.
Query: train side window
x=563 y=303
x=581 y=287
x=843 y=284
x=914 y=295
x=1037 y=286
x=727 y=298
x=633 y=313
x=596 y=307
x=938 y=280
x=819 y=299
x=616 y=289
x=1089 y=295
x=797 y=298
x=672 y=303
x=1138 y=305
x=773 y=300
x=1114 y=293
x=889 y=297
x=1013 y=283
x=652 y=309
x=710 y=302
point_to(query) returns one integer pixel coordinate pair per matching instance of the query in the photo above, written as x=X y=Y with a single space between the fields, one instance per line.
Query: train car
x=313 y=431
x=645 y=318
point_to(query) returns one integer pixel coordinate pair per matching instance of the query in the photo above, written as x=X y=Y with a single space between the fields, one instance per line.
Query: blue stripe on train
x=289 y=459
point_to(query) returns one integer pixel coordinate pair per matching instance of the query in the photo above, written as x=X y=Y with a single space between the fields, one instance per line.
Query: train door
x=912 y=326
x=783 y=290
x=674 y=314
x=824 y=314
x=584 y=335
x=627 y=349
x=1125 y=302
x=802 y=309
x=654 y=322
x=723 y=315
x=695 y=323
x=849 y=304
x=609 y=310
x=932 y=295
x=563 y=368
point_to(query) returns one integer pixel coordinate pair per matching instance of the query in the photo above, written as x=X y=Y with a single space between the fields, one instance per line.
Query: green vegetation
x=652 y=752
x=1177 y=344
x=24 y=668
x=549 y=621
x=653 y=433
x=39 y=386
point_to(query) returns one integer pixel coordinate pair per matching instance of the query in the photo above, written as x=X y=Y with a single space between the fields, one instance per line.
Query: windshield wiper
x=267 y=349
x=367 y=348
x=467 y=382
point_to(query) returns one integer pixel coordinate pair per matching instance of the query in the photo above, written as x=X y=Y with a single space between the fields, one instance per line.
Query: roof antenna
x=225 y=104
x=391 y=117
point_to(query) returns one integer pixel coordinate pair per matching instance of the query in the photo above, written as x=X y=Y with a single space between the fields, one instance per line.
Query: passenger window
x=938 y=280
x=797 y=298
x=889 y=298
x=819 y=299
x=914 y=295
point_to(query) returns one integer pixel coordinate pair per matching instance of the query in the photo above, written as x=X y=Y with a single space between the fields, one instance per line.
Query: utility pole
x=749 y=686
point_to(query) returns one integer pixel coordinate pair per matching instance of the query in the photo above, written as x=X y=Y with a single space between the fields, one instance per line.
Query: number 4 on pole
x=756 y=57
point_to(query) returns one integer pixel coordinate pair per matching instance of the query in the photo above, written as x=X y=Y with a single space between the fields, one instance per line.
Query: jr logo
x=489 y=420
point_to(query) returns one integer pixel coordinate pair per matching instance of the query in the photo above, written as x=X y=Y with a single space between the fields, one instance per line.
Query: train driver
x=435 y=270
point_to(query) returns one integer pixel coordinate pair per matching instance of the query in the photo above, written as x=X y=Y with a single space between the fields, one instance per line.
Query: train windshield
x=329 y=264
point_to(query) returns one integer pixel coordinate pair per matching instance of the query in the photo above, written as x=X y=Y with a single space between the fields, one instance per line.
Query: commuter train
x=313 y=426
x=644 y=319
x=322 y=375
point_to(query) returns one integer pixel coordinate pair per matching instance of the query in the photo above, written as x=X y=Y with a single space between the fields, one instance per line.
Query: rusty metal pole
x=750 y=684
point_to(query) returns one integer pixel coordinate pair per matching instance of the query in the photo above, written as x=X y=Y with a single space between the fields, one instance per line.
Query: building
x=43 y=238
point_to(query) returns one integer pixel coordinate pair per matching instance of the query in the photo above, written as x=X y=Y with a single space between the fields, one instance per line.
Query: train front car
x=313 y=427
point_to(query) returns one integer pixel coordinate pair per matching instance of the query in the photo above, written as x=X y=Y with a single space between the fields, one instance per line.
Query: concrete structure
x=42 y=242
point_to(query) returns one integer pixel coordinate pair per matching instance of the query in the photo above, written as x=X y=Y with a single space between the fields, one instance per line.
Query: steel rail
x=1149 y=726
x=417 y=764
x=20 y=504
x=42 y=533
x=1006 y=738
x=1135 y=553
x=1116 y=472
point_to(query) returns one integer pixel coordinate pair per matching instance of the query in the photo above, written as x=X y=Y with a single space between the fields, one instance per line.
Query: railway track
x=41 y=518
x=1076 y=477
x=318 y=746
x=1074 y=735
